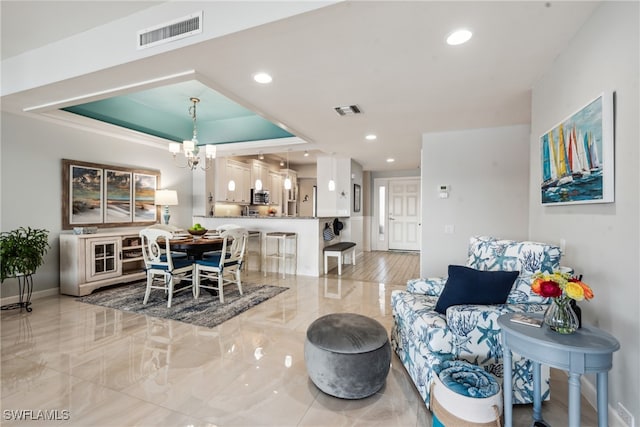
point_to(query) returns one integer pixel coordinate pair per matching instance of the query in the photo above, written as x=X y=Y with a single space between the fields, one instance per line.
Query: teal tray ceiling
x=164 y=112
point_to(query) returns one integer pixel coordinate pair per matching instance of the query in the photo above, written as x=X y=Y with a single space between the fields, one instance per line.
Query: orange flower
x=535 y=286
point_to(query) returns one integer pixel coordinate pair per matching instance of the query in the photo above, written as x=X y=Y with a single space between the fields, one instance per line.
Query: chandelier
x=191 y=148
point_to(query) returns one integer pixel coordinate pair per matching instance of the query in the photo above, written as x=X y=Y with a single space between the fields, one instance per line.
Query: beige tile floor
x=102 y=367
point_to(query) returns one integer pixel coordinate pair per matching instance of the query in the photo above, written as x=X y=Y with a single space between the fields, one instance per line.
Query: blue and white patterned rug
x=205 y=311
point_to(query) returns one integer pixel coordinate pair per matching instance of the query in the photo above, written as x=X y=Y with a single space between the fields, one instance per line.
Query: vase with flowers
x=562 y=288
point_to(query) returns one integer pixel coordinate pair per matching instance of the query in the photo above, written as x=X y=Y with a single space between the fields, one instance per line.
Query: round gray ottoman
x=347 y=355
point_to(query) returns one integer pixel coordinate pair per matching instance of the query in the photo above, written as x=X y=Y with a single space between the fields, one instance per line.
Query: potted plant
x=22 y=251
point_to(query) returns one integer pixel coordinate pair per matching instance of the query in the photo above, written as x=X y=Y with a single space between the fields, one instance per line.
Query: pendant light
x=258 y=183
x=332 y=183
x=287 y=180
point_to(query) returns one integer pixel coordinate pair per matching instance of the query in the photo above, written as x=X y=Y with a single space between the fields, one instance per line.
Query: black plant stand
x=25 y=288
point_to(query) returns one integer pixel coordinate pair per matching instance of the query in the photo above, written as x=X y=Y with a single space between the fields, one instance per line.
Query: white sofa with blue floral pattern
x=424 y=338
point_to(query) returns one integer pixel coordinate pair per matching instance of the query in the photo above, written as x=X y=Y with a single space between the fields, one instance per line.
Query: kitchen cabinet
x=259 y=171
x=232 y=170
x=275 y=188
x=92 y=261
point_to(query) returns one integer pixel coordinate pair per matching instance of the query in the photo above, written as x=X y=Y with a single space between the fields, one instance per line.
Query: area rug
x=205 y=311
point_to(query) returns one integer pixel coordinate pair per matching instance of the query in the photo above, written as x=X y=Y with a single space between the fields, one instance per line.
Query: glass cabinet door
x=103 y=258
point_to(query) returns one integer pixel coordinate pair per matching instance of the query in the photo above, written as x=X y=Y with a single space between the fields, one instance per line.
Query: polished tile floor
x=85 y=365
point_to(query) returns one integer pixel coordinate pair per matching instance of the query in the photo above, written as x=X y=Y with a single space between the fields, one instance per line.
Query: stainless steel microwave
x=260 y=197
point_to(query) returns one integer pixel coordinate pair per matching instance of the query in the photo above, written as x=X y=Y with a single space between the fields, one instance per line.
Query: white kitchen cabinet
x=259 y=171
x=232 y=170
x=91 y=261
x=275 y=188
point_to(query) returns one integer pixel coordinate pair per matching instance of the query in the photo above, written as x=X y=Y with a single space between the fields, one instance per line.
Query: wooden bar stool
x=280 y=239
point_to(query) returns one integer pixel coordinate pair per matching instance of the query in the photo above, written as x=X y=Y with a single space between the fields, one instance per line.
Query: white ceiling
x=387 y=57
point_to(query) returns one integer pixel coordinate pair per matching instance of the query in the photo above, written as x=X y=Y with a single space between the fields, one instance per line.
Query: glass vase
x=560 y=316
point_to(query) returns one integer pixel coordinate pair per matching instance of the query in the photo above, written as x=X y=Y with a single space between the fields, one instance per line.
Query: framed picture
x=356 y=197
x=100 y=195
x=577 y=156
x=117 y=196
x=84 y=195
x=144 y=191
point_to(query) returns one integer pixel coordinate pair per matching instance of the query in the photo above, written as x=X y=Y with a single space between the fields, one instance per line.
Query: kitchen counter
x=258 y=217
x=309 y=231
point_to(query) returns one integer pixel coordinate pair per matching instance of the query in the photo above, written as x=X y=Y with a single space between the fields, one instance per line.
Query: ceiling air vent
x=348 y=110
x=170 y=31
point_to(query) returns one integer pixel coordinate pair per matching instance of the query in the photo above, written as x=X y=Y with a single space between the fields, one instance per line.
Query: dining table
x=195 y=247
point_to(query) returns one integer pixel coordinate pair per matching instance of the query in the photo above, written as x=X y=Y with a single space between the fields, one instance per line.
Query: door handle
x=391 y=218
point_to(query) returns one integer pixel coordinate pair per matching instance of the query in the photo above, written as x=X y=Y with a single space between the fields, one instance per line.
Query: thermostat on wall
x=443 y=191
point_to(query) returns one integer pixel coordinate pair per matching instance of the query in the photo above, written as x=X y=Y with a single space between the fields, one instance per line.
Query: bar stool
x=281 y=255
x=254 y=250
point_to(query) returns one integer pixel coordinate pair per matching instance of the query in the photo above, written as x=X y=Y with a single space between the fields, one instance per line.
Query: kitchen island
x=309 y=231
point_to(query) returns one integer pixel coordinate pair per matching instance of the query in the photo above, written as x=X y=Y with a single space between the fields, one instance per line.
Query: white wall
x=305 y=186
x=31 y=179
x=602 y=240
x=337 y=202
x=488 y=174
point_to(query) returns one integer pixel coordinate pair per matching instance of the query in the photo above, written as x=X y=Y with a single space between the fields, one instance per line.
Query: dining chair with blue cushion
x=224 y=267
x=162 y=267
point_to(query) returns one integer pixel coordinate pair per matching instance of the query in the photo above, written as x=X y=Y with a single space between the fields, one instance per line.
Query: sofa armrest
x=432 y=286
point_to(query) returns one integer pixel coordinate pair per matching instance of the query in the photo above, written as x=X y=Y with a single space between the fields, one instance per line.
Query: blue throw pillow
x=468 y=286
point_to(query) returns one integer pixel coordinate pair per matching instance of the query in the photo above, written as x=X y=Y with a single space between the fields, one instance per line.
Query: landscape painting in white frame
x=578 y=158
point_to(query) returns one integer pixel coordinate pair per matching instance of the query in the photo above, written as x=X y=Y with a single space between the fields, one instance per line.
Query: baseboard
x=590 y=394
x=34 y=296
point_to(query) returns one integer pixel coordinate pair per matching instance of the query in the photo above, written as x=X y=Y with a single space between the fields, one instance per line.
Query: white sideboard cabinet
x=91 y=261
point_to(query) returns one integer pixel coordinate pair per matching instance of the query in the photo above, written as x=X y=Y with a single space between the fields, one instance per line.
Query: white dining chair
x=224 y=267
x=162 y=268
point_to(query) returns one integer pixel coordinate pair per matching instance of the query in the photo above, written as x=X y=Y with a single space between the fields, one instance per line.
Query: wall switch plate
x=449 y=229
x=626 y=416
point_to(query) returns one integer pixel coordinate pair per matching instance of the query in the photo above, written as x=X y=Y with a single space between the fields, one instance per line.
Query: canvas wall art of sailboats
x=577 y=156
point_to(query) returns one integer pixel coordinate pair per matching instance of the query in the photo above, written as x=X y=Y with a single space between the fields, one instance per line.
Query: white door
x=404 y=214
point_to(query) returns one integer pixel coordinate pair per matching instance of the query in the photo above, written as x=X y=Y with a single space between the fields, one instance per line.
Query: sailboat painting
x=577 y=156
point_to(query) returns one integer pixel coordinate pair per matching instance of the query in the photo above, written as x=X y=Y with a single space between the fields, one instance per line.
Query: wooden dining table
x=196 y=247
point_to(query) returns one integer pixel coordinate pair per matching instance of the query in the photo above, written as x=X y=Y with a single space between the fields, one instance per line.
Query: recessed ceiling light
x=391 y=160
x=370 y=137
x=263 y=78
x=459 y=37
